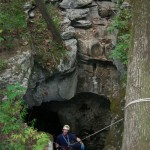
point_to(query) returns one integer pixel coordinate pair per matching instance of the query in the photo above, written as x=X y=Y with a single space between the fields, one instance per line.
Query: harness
x=66 y=140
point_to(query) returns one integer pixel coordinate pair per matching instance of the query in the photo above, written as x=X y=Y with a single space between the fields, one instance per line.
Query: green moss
x=114 y=138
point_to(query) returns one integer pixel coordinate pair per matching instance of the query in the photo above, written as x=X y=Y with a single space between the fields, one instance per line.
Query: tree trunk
x=137 y=116
x=49 y=21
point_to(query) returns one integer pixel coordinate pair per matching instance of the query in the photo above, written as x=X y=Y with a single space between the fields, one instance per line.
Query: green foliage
x=15 y=134
x=13 y=24
x=12 y=16
x=121 y=24
x=3 y=64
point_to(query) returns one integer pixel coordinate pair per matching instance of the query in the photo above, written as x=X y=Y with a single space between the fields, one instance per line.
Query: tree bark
x=55 y=33
x=137 y=116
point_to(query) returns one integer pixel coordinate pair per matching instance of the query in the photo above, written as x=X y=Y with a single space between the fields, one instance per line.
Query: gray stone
x=27 y=6
x=66 y=22
x=76 y=14
x=74 y=3
x=106 y=9
x=19 y=69
x=94 y=11
x=31 y=14
x=82 y=24
x=68 y=34
x=57 y=88
x=67 y=64
x=125 y=5
x=90 y=48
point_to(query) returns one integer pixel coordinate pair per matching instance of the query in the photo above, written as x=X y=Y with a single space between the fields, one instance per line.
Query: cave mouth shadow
x=50 y=117
x=45 y=120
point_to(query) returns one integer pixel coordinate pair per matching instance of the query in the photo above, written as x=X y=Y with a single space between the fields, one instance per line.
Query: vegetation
x=14 y=133
x=121 y=24
x=12 y=21
x=47 y=51
x=3 y=64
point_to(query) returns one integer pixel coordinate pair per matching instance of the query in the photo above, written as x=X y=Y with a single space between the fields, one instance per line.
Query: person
x=68 y=141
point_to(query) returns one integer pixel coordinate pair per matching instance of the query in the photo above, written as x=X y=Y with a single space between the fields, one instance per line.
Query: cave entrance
x=45 y=120
x=85 y=113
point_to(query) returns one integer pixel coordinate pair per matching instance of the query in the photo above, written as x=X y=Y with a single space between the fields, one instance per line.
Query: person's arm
x=79 y=140
x=57 y=146
x=57 y=143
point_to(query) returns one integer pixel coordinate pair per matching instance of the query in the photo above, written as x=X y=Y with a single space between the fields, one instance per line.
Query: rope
x=138 y=101
x=133 y=102
x=102 y=129
x=98 y=131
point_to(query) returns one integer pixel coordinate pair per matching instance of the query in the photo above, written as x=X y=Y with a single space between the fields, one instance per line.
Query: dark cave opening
x=45 y=120
x=85 y=113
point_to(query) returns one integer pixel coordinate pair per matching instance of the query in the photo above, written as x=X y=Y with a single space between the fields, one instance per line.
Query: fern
x=19 y=135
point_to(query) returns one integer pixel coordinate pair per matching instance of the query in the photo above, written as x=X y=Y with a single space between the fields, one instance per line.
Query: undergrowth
x=14 y=133
x=121 y=24
x=3 y=64
x=12 y=22
x=47 y=52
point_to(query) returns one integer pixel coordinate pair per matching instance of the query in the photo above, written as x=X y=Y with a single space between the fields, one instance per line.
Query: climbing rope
x=98 y=131
x=102 y=129
x=93 y=133
x=133 y=102
x=138 y=101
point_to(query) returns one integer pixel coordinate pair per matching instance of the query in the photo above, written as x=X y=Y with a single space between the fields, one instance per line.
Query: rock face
x=87 y=67
x=82 y=112
x=74 y=3
x=18 y=70
x=86 y=113
x=86 y=80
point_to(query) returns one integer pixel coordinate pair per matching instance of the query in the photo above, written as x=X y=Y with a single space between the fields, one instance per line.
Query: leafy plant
x=121 y=24
x=14 y=133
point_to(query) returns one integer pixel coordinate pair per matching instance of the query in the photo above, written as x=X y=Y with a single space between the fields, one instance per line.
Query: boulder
x=76 y=14
x=68 y=33
x=18 y=70
x=68 y=63
x=90 y=48
x=82 y=24
x=74 y=3
x=106 y=9
x=56 y=88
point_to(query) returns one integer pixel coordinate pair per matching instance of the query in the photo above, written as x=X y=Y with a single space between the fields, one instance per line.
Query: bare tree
x=137 y=116
x=49 y=21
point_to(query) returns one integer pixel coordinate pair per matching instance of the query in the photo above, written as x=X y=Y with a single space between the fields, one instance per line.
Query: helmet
x=66 y=127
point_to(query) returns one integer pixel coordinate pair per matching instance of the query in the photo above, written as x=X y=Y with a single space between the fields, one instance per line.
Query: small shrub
x=14 y=133
x=121 y=24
